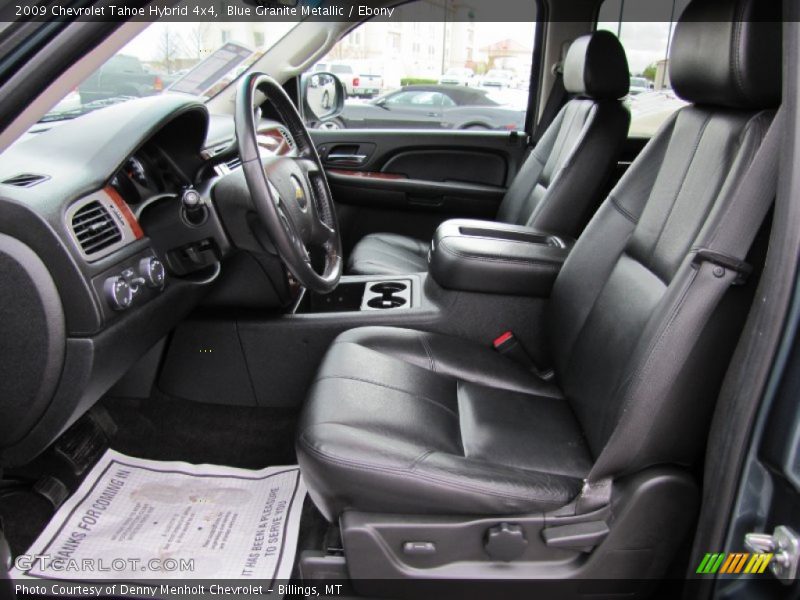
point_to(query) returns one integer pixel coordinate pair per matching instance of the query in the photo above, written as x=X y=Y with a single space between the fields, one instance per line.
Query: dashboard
x=108 y=238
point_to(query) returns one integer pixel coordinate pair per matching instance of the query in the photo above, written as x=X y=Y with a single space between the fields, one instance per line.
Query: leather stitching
x=389 y=387
x=622 y=210
x=405 y=474
x=678 y=191
x=427 y=349
x=419 y=459
x=394 y=256
x=553 y=266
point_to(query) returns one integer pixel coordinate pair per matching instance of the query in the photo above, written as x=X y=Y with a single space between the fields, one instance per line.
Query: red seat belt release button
x=508 y=345
x=502 y=340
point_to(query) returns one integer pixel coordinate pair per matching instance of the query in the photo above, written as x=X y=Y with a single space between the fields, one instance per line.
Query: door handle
x=346 y=159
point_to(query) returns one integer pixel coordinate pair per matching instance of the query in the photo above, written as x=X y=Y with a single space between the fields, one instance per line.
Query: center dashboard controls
x=120 y=290
x=152 y=271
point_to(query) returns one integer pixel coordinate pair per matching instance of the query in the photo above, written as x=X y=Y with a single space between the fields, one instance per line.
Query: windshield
x=198 y=59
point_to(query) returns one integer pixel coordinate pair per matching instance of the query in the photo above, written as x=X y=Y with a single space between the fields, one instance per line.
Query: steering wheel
x=290 y=193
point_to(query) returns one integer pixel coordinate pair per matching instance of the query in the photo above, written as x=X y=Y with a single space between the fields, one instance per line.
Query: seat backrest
x=639 y=400
x=563 y=177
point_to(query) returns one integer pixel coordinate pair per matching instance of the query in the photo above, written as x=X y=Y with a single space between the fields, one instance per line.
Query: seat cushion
x=402 y=421
x=388 y=254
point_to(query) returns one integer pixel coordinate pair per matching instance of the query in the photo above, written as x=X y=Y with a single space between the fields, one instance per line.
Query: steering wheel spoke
x=290 y=193
x=308 y=166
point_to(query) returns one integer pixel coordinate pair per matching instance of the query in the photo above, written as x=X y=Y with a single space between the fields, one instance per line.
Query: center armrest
x=485 y=256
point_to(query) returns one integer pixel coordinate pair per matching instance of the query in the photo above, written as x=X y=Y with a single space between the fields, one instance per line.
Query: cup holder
x=387 y=287
x=381 y=302
x=383 y=295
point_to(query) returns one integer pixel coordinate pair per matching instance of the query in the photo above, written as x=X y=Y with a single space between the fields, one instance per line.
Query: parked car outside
x=650 y=109
x=359 y=85
x=499 y=78
x=458 y=76
x=122 y=75
x=640 y=85
x=431 y=106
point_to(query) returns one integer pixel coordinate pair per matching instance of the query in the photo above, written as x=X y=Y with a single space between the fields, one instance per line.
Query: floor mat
x=134 y=518
x=167 y=428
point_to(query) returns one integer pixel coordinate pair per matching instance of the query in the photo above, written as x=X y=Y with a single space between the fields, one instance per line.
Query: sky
x=644 y=42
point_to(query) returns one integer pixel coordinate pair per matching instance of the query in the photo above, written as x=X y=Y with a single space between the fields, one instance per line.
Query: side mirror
x=323 y=96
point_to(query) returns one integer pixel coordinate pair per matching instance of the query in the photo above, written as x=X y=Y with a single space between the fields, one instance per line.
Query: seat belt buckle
x=508 y=345
x=741 y=268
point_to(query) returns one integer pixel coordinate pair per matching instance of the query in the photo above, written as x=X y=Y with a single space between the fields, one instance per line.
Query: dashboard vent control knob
x=119 y=294
x=152 y=271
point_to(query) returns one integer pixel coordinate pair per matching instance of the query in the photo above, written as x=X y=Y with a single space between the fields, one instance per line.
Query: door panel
x=408 y=182
x=468 y=166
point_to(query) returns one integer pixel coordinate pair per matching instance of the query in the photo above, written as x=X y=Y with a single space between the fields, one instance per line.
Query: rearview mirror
x=323 y=96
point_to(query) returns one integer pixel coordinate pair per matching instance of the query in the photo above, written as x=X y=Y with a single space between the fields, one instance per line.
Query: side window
x=421 y=98
x=469 y=73
x=645 y=29
x=401 y=98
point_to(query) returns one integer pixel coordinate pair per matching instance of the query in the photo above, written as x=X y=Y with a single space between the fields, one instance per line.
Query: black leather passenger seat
x=562 y=178
x=406 y=422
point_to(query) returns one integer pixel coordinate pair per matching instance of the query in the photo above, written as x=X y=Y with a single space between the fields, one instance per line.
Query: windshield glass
x=199 y=59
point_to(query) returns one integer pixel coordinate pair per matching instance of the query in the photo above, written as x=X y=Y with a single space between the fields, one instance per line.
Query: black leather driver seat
x=562 y=179
x=402 y=421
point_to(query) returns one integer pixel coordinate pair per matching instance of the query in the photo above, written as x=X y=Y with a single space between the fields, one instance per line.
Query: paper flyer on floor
x=142 y=519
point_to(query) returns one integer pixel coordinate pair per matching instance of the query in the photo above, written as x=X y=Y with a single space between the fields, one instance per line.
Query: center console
x=485 y=256
x=364 y=294
x=484 y=279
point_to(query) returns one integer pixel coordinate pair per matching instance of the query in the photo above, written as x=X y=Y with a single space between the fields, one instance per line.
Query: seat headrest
x=728 y=53
x=596 y=66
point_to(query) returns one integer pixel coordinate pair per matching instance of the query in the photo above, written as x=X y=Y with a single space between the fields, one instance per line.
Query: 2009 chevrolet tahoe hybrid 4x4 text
x=530 y=335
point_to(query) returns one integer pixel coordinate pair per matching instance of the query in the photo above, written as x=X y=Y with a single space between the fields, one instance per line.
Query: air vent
x=287 y=137
x=25 y=180
x=234 y=163
x=94 y=228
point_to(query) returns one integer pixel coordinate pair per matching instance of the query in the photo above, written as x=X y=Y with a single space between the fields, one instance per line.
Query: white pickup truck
x=355 y=84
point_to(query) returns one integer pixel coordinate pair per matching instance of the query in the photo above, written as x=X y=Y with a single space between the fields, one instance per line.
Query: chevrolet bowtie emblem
x=299 y=194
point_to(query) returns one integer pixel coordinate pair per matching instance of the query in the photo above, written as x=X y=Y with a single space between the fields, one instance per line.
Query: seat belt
x=712 y=270
x=555 y=100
